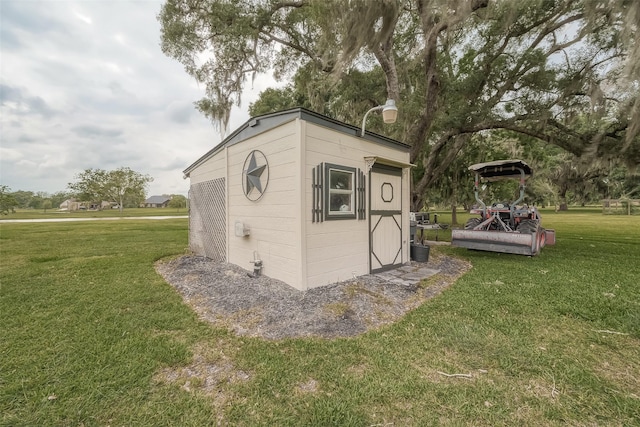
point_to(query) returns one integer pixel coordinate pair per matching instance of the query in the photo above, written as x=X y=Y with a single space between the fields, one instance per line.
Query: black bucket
x=420 y=253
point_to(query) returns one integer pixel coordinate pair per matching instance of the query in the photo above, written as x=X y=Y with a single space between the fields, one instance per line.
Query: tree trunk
x=454 y=198
x=563 y=198
x=454 y=214
x=563 y=202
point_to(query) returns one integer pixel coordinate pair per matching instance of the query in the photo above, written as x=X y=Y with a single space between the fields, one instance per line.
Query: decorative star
x=254 y=172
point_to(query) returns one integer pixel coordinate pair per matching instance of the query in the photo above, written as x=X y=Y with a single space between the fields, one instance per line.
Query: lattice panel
x=207 y=219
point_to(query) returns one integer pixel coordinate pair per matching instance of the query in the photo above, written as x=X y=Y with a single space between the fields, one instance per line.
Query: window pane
x=340 y=193
x=340 y=203
x=341 y=180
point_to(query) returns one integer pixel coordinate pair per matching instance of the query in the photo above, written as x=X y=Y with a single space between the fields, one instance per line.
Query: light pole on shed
x=389 y=113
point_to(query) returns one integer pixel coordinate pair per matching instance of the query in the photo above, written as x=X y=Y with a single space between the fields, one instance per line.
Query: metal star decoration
x=256 y=178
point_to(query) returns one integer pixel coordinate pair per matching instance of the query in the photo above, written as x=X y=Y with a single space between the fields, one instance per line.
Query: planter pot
x=419 y=253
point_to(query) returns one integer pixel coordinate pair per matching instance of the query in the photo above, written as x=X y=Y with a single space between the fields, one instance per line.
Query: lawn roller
x=503 y=227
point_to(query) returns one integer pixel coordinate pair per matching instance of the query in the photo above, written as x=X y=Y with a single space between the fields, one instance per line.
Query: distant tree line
x=121 y=188
x=559 y=179
x=9 y=201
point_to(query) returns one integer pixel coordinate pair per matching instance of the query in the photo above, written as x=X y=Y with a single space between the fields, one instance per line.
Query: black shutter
x=361 y=197
x=316 y=209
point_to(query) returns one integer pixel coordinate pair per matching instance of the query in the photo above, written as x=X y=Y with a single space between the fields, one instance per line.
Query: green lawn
x=129 y=212
x=91 y=335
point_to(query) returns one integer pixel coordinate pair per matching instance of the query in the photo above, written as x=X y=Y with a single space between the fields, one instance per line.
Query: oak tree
x=117 y=185
x=563 y=71
x=178 y=201
x=8 y=202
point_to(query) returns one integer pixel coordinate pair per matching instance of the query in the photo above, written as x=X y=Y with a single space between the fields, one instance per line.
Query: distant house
x=69 y=205
x=100 y=206
x=157 y=202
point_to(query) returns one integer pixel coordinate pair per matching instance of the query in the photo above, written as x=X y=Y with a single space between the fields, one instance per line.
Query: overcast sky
x=84 y=84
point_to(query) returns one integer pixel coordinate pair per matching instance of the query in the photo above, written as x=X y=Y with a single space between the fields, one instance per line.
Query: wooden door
x=385 y=218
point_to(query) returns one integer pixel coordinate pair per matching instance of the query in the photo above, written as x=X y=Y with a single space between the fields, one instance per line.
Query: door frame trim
x=385 y=170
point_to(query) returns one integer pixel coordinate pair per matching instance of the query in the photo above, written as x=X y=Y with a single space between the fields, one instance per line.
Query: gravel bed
x=226 y=296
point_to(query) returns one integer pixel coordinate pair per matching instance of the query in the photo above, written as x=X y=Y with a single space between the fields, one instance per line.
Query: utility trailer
x=503 y=227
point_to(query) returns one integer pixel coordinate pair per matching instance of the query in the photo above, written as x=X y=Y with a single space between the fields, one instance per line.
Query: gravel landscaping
x=225 y=295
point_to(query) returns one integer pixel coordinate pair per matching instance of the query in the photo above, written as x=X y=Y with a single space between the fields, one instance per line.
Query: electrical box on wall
x=242 y=229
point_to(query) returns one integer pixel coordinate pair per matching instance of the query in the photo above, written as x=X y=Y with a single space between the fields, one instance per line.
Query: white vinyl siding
x=301 y=253
x=213 y=168
x=273 y=218
x=339 y=250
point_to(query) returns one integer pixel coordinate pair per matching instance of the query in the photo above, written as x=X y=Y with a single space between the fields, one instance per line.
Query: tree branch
x=383 y=52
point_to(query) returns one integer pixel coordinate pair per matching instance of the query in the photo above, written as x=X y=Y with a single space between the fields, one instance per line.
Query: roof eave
x=285 y=116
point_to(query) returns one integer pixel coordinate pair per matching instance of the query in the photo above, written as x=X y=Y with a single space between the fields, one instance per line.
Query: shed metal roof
x=266 y=122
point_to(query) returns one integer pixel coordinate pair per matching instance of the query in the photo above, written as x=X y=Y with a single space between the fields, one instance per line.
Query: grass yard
x=91 y=335
x=106 y=213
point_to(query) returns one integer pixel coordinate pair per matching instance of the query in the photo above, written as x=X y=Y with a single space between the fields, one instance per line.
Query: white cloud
x=82 y=17
x=10 y=155
x=85 y=85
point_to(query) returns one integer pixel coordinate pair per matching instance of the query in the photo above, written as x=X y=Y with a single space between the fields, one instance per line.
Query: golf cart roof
x=501 y=169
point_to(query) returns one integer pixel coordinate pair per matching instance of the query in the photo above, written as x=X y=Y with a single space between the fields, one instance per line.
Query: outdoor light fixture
x=389 y=113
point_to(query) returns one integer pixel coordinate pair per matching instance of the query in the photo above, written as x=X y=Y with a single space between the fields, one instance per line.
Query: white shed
x=306 y=195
